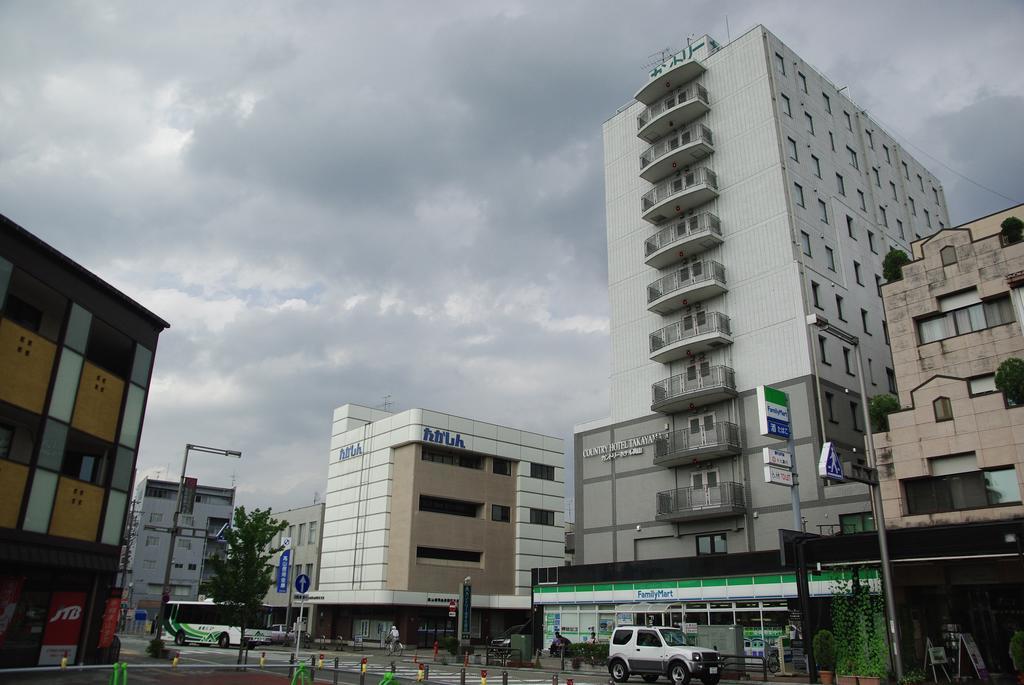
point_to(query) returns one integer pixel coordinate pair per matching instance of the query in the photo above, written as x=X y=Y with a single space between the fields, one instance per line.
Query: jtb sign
x=441 y=437
x=773 y=412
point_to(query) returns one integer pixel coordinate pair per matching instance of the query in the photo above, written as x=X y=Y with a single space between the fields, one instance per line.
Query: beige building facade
x=954 y=453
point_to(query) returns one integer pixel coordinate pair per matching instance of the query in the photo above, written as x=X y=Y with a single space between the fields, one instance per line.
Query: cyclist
x=394 y=643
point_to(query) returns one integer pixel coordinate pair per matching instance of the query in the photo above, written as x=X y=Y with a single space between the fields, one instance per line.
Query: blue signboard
x=467 y=610
x=778 y=429
x=283 y=567
x=302 y=583
x=829 y=464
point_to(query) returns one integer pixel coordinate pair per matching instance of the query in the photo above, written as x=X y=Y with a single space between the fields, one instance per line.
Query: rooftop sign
x=623 y=448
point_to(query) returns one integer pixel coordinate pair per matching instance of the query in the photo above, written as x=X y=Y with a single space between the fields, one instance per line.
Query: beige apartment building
x=955 y=452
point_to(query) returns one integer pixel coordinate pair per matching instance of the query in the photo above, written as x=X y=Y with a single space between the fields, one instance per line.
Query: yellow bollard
x=64 y=662
x=174 y=661
x=263 y=659
x=483 y=677
x=320 y=662
x=419 y=674
x=363 y=670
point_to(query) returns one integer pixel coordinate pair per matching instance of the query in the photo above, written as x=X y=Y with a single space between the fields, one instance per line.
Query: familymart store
x=765 y=604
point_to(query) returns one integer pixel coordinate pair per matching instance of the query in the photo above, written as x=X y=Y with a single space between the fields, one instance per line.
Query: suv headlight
x=696 y=657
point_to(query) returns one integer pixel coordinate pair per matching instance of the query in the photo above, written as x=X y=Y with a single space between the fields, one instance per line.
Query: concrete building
x=744 y=191
x=419 y=500
x=212 y=510
x=76 y=356
x=305 y=530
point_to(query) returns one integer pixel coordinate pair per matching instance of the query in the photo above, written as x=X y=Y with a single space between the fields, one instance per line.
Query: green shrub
x=825 y=650
x=913 y=676
x=892 y=265
x=155 y=648
x=1013 y=229
x=1017 y=650
x=450 y=644
x=1010 y=379
x=879 y=408
x=593 y=653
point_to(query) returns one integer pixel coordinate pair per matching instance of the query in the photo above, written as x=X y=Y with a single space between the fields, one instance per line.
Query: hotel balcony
x=678 y=73
x=677 y=151
x=695 y=333
x=686 y=285
x=701 y=444
x=701 y=384
x=675 y=195
x=685 y=238
x=678 y=109
x=693 y=504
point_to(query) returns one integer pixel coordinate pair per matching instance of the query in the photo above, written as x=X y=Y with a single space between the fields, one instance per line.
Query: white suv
x=654 y=652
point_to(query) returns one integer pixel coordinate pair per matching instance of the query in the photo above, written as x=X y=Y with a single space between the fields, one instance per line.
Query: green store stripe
x=867 y=574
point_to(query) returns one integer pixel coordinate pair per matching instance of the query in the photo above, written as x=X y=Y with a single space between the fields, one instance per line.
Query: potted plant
x=846 y=672
x=825 y=654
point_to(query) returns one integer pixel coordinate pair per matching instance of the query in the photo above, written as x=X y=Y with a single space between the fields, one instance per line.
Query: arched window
x=948 y=255
x=943 y=409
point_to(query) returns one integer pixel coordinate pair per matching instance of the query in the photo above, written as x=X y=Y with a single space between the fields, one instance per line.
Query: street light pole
x=876 y=494
x=166 y=588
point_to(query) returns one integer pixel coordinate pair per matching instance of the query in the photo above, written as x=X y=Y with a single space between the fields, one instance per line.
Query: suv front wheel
x=620 y=673
x=679 y=673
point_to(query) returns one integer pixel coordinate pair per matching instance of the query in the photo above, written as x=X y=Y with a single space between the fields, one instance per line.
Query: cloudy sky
x=336 y=201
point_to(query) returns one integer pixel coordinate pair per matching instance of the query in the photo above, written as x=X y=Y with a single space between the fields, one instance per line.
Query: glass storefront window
x=77 y=335
x=65 y=387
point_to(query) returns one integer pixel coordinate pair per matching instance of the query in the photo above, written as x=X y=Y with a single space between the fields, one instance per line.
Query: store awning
x=643 y=608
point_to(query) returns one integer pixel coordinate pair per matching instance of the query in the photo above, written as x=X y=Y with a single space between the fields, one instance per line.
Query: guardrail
x=741 y=662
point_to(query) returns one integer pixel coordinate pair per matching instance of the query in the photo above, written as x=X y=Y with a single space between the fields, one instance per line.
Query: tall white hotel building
x=744 y=191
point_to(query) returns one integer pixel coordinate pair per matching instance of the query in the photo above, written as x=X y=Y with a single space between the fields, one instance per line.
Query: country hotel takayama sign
x=623 y=448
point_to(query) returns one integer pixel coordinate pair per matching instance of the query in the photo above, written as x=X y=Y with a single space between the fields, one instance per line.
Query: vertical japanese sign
x=108 y=627
x=10 y=592
x=188 y=496
x=63 y=627
x=282 y=570
x=467 y=610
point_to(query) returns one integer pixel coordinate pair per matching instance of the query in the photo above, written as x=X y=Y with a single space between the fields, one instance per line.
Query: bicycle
x=394 y=647
x=773 y=660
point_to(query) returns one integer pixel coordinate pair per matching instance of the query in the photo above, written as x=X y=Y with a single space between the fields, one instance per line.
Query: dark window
x=828 y=407
x=871 y=241
x=547 y=575
x=622 y=636
x=878 y=284
x=501 y=513
x=780 y=63
x=960 y=491
x=22 y=313
x=823 y=348
x=853 y=157
x=830 y=259
x=109 y=349
x=828 y=103
x=864 y=321
x=863 y=202
x=85 y=459
x=542 y=517
x=798 y=193
x=943 y=409
x=839 y=308
x=871 y=140
x=711 y=544
x=805 y=243
x=855 y=414
x=841 y=185
x=832 y=141
x=856 y=273
x=823 y=211
x=810 y=122
x=890 y=377
x=849 y=225
x=502 y=466
x=441 y=505
x=793 y=154
x=447 y=554
x=786 y=107
x=803 y=81
x=846 y=360
x=887 y=157
x=6 y=439
x=468 y=461
x=849 y=121
x=814 y=294
x=542 y=471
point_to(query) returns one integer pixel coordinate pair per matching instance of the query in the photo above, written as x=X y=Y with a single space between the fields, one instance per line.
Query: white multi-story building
x=304 y=532
x=416 y=502
x=744 y=191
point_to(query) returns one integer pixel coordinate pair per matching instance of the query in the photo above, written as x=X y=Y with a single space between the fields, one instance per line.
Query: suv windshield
x=673 y=637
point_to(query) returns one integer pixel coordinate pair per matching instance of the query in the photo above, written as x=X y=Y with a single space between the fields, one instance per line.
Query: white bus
x=205 y=623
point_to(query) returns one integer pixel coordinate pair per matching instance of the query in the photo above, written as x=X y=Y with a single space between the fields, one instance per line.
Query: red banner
x=63 y=626
x=109 y=625
x=10 y=592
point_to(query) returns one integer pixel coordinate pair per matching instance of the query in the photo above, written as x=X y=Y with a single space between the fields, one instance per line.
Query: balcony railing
x=683 y=446
x=690 y=134
x=724 y=499
x=690 y=227
x=695 y=178
x=678 y=97
x=685 y=276
x=691 y=326
x=712 y=383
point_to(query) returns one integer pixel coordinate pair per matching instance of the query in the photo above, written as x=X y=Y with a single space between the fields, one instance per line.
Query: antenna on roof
x=388 y=403
x=656 y=58
x=316 y=498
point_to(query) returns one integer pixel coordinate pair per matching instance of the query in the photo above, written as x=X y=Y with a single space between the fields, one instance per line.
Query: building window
x=906 y=171
x=828 y=407
x=871 y=372
x=501 y=513
x=814 y=294
x=780 y=63
x=899 y=229
x=184 y=543
x=863 y=202
x=878 y=179
x=913 y=206
x=892 y=189
x=948 y=255
x=152 y=541
x=927 y=218
x=312 y=533
x=878 y=285
x=857 y=523
x=920 y=182
x=828 y=103
x=864 y=320
x=786 y=107
x=453 y=507
x=885 y=331
x=840 y=185
x=798 y=193
x=816 y=163
x=832 y=141
x=887 y=157
x=854 y=416
x=830 y=259
x=191 y=567
x=803 y=81
x=542 y=471
x=890 y=378
x=936 y=194
x=805 y=243
x=839 y=308
x=871 y=242
x=468 y=461
x=810 y=122
x=849 y=121
x=943 y=409
x=156 y=517
x=846 y=360
x=982 y=385
x=542 y=517
x=856 y=273
x=975 y=317
x=961 y=491
x=849 y=225
x=448 y=554
x=302 y=534
x=885 y=217
x=823 y=349
x=149 y=564
x=502 y=467
x=823 y=211
x=711 y=544
x=792 y=150
x=871 y=140
x=853 y=157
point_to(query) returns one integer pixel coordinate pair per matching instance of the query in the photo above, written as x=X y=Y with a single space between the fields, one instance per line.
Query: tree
x=242 y=577
x=879 y=408
x=892 y=265
x=1010 y=380
x=1013 y=229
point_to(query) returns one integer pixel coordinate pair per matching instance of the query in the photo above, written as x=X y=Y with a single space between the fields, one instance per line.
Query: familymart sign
x=773 y=412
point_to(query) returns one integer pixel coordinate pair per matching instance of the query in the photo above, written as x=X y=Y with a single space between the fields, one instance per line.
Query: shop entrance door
x=431 y=628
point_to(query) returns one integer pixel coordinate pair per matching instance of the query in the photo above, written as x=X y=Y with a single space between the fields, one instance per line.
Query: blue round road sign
x=302 y=583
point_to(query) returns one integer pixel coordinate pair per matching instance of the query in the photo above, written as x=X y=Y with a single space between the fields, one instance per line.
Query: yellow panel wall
x=27 y=361
x=98 y=403
x=76 y=511
x=12 y=484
